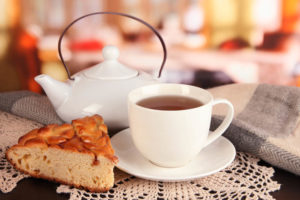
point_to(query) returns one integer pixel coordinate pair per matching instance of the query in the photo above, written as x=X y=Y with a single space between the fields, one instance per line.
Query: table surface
x=32 y=188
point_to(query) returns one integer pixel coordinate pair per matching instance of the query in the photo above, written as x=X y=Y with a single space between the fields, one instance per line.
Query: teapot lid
x=110 y=68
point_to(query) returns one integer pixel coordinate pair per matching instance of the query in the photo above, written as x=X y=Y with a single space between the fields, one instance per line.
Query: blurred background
x=209 y=42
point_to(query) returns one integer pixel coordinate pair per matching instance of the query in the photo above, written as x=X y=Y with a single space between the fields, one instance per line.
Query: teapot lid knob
x=110 y=68
x=110 y=53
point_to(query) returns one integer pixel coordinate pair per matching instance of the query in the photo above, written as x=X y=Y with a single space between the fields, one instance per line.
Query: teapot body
x=107 y=98
x=101 y=89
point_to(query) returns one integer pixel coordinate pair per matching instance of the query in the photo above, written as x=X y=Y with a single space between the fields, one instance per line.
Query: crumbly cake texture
x=78 y=154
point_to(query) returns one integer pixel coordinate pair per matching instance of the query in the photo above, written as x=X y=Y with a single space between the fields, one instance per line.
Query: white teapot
x=101 y=89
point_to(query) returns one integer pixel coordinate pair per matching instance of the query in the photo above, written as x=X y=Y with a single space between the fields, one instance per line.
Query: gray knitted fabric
x=29 y=105
x=268 y=126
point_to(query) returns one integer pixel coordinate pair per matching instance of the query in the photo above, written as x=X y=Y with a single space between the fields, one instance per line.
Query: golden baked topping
x=88 y=135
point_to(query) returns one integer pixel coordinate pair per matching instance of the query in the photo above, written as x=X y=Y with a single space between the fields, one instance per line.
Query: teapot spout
x=56 y=91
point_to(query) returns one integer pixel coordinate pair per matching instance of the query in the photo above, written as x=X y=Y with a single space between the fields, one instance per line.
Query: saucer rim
x=175 y=179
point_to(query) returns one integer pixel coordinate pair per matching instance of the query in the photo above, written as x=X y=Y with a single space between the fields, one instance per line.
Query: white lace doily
x=243 y=179
x=11 y=128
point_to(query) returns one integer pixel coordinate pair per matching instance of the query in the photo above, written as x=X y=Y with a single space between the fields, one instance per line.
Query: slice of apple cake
x=78 y=154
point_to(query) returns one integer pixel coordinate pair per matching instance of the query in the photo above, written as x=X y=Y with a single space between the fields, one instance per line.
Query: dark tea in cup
x=170 y=102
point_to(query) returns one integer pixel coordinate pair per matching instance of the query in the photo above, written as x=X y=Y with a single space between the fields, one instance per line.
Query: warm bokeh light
x=227 y=36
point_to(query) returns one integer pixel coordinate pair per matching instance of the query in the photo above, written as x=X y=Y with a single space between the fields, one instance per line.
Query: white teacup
x=172 y=138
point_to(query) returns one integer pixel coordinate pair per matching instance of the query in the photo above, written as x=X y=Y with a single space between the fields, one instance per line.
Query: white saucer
x=211 y=159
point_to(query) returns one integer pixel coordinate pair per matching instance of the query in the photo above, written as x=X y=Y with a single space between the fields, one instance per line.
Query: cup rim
x=134 y=103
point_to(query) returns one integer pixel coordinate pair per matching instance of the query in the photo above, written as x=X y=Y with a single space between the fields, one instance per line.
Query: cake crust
x=68 y=154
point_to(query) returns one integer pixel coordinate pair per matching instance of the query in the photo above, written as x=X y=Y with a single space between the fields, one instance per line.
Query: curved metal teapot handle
x=113 y=13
